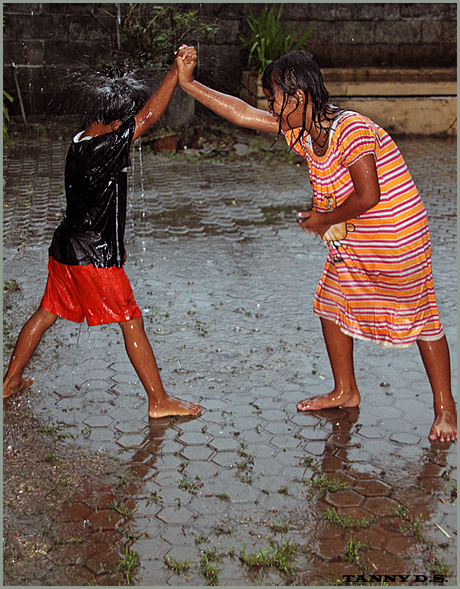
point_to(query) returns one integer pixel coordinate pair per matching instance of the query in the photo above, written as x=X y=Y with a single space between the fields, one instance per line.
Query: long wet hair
x=294 y=71
x=108 y=94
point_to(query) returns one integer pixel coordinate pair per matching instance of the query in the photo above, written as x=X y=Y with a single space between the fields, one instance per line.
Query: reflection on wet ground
x=251 y=491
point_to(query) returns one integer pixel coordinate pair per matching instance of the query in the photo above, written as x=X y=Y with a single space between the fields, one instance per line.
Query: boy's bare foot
x=332 y=399
x=11 y=388
x=171 y=406
x=444 y=427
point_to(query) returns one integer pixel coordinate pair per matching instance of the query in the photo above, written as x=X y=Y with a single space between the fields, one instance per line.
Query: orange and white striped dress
x=377 y=283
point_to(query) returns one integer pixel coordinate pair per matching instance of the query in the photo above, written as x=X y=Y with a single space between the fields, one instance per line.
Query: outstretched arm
x=157 y=103
x=231 y=108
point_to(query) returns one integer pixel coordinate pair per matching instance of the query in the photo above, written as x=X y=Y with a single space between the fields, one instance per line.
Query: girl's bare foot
x=11 y=388
x=332 y=399
x=444 y=427
x=171 y=406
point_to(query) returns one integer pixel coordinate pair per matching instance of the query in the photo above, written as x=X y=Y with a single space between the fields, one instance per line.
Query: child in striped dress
x=377 y=283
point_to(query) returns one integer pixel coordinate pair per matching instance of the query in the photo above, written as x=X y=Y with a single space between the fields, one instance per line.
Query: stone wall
x=46 y=41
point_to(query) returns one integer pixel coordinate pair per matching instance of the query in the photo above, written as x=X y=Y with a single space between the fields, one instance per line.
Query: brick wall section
x=46 y=40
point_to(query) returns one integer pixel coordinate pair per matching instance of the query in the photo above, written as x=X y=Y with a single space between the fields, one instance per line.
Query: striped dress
x=377 y=283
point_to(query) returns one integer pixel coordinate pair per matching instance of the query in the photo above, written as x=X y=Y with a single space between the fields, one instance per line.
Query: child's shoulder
x=352 y=120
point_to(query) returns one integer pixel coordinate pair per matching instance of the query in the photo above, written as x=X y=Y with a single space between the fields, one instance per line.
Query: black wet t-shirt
x=93 y=227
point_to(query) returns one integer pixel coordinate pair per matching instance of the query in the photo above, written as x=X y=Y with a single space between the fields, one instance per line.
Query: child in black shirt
x=86 y=278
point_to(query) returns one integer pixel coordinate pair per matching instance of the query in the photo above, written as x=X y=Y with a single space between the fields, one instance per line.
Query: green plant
x=151 y=33
x=154 y=497
x=58 y=484
x=176 y=565
x=352 y=551
x=200 y=539
x=11 y=286
x=344 y=521
x=280 y=527
x=128 y=563
x=438 y=567
x=122 y=509
x=276 y=555
x=414 y=526
x=191 y=487
x=269 y=37
x=323 y=485
x=210 y=571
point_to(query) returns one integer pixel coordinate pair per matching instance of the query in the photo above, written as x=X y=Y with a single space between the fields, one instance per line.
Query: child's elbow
x=376 y=198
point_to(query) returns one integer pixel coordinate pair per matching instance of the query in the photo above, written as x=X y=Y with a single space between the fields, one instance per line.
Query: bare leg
x=436 y=359
x=340 y=351
x=143 y=359
x=28 y=340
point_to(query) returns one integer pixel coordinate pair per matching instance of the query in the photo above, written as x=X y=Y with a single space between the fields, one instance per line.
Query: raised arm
x=157 y=103
x=231 y=108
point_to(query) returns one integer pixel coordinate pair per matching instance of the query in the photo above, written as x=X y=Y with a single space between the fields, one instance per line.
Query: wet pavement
x=251 y=492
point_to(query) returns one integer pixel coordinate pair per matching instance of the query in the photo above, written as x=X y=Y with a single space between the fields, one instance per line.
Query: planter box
x=163 y=143
x=419 y=102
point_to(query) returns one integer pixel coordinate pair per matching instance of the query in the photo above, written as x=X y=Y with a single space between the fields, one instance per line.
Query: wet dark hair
x=108 y=94
x=297 y=70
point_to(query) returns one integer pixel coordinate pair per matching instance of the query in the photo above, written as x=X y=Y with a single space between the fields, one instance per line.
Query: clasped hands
x=186 y=61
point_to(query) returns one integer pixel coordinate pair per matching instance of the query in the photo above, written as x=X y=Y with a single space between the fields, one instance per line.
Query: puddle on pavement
x=225 y=281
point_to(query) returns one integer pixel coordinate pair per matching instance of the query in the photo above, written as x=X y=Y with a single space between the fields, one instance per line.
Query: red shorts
x=102 y=295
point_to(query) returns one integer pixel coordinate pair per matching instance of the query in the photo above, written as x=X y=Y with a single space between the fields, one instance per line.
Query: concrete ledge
x=407 y=116
x=402 y=101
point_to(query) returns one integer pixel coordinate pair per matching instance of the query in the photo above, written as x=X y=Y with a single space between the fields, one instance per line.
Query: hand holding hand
x=186 y=61
x=313 y=222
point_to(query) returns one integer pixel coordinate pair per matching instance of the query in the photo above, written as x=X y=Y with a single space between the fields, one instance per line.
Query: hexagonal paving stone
x=123 y=414
x=197 y=452
x=99 y=421
x=207 y=471
x=150 y=548
x=226 y=459
x=97 y=374
x=272 y=415
x=190 y=438
x=314 y=448
x=224 y=444
x=244 y=424
x=95 y=384
x=371 y=432
x=380 y=505
x=305 y=419
x=125 y=378
x=405 y=438
x=373 y=488
x=261 y=403
x=131 y=440
x=279 y=428
x=132 y=427
x=214 y=405
x=208 y=507
x=385 y=412
x=101 y=435
x=171 y=515
x=344 y=498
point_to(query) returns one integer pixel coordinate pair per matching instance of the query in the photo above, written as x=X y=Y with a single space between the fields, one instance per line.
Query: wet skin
x=435 y=357
x=137 y=344
x=139 y=351
x=365 y=196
